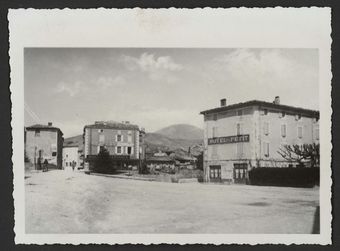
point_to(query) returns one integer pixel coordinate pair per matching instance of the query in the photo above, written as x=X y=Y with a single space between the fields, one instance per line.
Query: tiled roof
x=113 y=125
x=43 y=127
x=263 y=104
x=159 y=159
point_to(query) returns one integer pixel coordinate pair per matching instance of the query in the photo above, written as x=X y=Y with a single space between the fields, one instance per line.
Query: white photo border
x=163 y=28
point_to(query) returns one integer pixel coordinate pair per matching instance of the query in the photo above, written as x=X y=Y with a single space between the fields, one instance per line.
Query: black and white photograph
x=221 y=142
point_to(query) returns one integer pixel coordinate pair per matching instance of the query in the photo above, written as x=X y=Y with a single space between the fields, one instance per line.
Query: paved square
x=71 y=202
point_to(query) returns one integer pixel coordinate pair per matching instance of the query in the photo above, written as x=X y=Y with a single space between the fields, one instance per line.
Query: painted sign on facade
x=229 y=139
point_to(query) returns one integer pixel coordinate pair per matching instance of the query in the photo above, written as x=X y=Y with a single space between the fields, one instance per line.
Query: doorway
x=215 y=173
x=240 y=173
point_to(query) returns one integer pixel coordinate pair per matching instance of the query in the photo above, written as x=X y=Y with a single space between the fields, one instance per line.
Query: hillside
x=182 y=131
x=157 y=141
x=75 y=140
x=180 y=136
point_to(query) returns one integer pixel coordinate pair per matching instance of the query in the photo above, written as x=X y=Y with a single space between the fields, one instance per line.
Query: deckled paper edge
x=16 y=88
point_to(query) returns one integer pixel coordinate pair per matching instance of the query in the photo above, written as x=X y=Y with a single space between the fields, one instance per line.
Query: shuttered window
x=266 y=128
x=266 y=149
x=283 y=131
x=300 y=132
x=239 y=129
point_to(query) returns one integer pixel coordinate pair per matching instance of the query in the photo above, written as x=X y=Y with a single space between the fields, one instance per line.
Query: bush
x=288 y=177
x=143 y=169
x=103 y=162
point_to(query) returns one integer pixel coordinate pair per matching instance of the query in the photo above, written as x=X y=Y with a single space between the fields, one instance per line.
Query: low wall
x=287 y=177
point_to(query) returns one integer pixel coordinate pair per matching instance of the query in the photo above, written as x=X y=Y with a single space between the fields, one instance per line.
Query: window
x=282 y=114
x=266 y=149
x=119 y=138
x=129 y=138
x=300 y=132
x=239 y=112
x=266 y=128
x=66 y=163
x=238 y=129
x=283 y=131
x=129 y=150
x=214 y=132
x=239 y=150
x=37 y=133
x=317 y=134
x=265 y=111
x=101 y=139
x=215 y=117
x=119 y=150
x=54 y=154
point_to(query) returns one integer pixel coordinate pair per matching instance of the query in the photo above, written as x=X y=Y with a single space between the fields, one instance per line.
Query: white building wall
x=276 y=140
x=253 y=122
x=70 y=154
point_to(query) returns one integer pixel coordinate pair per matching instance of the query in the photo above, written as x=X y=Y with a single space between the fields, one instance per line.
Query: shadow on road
x=316 y=224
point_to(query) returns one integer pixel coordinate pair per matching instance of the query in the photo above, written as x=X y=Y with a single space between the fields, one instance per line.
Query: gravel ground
x=71 y=202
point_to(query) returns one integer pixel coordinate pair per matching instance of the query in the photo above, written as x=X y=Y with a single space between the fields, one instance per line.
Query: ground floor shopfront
x=237 y=171
x=227 y=171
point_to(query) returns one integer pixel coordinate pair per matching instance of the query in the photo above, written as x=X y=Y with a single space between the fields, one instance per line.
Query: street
x=71 y=202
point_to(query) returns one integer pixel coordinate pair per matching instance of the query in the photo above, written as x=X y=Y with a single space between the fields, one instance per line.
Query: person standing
x=45 y=165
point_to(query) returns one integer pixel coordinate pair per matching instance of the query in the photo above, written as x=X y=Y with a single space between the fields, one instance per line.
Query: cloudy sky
x=155 y=88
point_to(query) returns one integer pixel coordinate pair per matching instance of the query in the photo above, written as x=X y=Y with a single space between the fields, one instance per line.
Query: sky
x=158 y=87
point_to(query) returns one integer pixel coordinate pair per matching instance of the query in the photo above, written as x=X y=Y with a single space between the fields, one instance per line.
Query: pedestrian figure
x=39 y=163
x=46 y=165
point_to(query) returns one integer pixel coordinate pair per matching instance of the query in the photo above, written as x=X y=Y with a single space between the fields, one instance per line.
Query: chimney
x=223 y=102
x=49 y=123
x=277 y=100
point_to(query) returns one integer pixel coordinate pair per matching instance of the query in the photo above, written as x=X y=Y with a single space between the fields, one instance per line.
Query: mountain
x=181 y=136
x=75 y=140
x=155 y=141
x=182 y=131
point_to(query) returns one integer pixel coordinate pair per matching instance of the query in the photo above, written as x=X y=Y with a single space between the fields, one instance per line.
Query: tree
x=103 y=162
x=143 y=169
x=301 y=154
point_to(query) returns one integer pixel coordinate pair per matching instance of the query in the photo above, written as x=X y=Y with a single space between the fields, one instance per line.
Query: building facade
x=44 y=142
x=124 y=142
x=71 y=157
x=247 y=135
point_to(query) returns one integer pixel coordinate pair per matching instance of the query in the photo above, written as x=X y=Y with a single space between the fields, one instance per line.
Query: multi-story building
x=124 y=141
x=44 y=142
x=247 y=135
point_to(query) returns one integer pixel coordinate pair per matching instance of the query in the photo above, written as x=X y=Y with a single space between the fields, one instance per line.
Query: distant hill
x=75 y=140
x=157 y=141
x=180 y=136
x=182 y=131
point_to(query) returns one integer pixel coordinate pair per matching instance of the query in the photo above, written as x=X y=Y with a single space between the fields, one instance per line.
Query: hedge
x=288 y=177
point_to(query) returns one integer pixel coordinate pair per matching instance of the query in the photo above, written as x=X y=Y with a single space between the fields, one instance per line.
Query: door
x=240 y=173
x=215 y=173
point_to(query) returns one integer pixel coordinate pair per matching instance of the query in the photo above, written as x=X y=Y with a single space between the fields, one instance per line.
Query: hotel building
x=247 y=135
